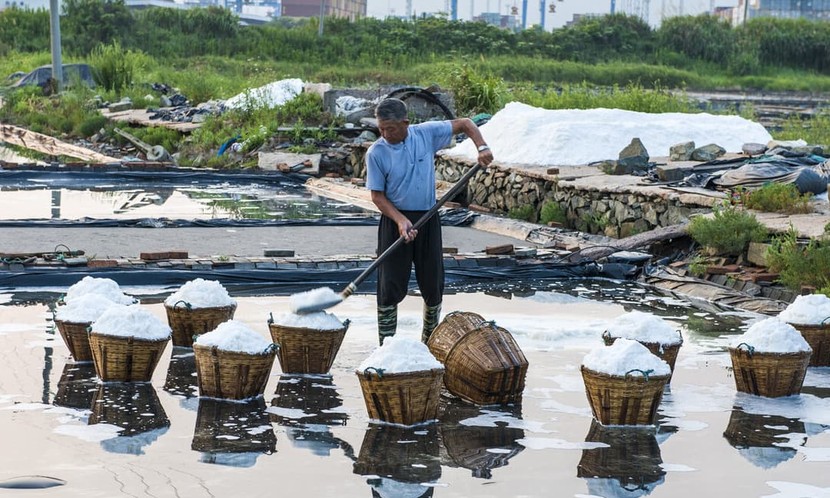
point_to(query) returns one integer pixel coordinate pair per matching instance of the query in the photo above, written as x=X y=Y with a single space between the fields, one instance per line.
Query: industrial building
x=351 y=9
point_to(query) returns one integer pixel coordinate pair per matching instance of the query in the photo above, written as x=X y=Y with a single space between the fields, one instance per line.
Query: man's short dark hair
x=391 y=110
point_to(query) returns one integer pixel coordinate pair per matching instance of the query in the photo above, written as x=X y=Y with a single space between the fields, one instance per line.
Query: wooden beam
x=51 y=145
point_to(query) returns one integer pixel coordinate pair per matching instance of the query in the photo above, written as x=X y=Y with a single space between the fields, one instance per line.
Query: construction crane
x=454 y=10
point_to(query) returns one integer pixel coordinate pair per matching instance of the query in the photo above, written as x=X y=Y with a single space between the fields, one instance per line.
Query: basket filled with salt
x=770 y=359
x=198 y=306
x=810 y=315
x=74 y=319
x=651 y=331
x=624 y=383
x=106 y=287
x=233 y=361
x=308 y=343
x=401 y=382
x=127 y=343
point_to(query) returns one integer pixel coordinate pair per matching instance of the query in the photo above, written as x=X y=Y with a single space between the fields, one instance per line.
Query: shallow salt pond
x=310 y=435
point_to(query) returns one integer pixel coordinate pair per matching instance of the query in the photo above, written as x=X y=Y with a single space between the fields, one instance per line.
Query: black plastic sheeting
x=809 y=173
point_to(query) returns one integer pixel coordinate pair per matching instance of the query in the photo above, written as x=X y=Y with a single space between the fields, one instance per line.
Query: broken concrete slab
x=271 y=160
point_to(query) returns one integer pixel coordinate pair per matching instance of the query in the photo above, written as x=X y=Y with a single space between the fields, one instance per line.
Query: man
x=400 y=172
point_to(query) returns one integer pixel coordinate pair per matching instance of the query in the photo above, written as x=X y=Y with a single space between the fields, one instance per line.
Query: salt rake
x=323 y=298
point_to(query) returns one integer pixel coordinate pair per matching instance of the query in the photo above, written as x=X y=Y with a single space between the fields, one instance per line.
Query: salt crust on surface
x=103 y=286
x=772 y=336
x=84 y=309
x=644 y=327
x=319 y=320
x=523 y=134
x=131 y=321
x=623 y=356
x=201 y=293
x=399 y=354
x=234 y=336
x=314 y=298
x=807 y=310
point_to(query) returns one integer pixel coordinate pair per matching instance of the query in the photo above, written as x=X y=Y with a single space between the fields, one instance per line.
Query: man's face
x=393 y=131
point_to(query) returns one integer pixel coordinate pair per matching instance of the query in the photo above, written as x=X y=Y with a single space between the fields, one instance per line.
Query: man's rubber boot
x=431 y=316
x=387 y=322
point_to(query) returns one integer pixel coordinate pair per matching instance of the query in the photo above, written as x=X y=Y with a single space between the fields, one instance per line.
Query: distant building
x=817 y=10
x=578 y=17
x=351 y=9
x=500 y=20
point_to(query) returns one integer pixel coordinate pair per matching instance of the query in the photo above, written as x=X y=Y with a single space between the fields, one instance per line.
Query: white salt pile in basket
x=84 y=309
x=807 y=310
x=319 y=320
x=622 y=357
x=234 y=336
x=201 y=293
x=102 y=286
x=773 y=336
x=131 y=321
x=314 y=299
x=644 y=327
x=398 y=355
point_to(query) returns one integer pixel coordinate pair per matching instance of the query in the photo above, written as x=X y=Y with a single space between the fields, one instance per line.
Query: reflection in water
x=77 y=386
x=478 y=448
x=400 y=460
x=181 y=374
x=629 y=467
x=755 y=437
x=233 y=433
x=133 y=406
x=309 y=405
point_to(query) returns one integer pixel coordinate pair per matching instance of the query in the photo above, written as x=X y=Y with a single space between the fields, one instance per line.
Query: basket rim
x=820 y=326
x=193 y=308
x=395 y=375
x=308 y=329
x=134 y=338
x=74 y=322
x=788 y=354
x=638 y=378
x=205 y=348
x=658 y=343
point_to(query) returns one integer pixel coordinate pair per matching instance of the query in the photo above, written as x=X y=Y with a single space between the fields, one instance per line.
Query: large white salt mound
x=103 y=286
x=319 y=320
x=644 y=327
x=234 y=336
x=772 y=336
x=267 y=96
x=131 y=321
x=813 y=309
x=398 y=355
x=201 y=293
x=84 y=309
x=523 y=134
x=622 y=357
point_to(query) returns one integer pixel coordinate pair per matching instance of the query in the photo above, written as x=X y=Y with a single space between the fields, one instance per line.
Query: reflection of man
x=400 y=172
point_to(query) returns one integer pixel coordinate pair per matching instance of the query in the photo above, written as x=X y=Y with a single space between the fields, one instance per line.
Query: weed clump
x=728 y=232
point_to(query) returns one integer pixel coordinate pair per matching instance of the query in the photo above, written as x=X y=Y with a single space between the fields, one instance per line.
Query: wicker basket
x=134 y=407
x=76 y=337
x=314 y=396
x=124 y=358
x=406 y=398
x=77 y=386
x=231 y=374
x=382 y=454
x=454 y=326
x=768 y=374
x=632 y=399
x=818 y=337
x=632 y=457
x=751 y=430
x=667 y=353
x=188 y=322
x=233 y=427
x=304 y=350
x=486 y=366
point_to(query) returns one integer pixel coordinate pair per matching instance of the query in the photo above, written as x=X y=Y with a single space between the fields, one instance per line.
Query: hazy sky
x=565 y=9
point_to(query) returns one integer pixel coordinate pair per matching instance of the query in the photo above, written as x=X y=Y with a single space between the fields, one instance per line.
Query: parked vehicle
x=72 y=74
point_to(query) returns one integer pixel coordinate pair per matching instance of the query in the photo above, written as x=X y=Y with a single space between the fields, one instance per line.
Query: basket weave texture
x=632 y=457
x=134 y=407
x=382 y=454
x=454 y=326
x=486 y=366
x=307 y=351
x=662 y=351
x=231 y=374
x=233 y=427
x=768 y=374
x=818 y=337
x=405 y=398
x=76 y=337
x=623 y=400
x=187 y=322
x=125 y=359
x=751 y=430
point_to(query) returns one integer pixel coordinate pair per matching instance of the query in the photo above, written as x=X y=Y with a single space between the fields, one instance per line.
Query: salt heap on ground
x=527 y=135
x=84 y=309
x=131 y=321
x=644 y=327
x=234 y=336
x=267 y=96
x=772 y=336
x=315 y=298
x=201 y=293
x=105 y=287
x=319 y=320
x=807 y=310
x=400 y=355
x=622 y=357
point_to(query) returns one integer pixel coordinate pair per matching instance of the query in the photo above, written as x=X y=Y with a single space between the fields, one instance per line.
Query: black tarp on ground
x=808 y=172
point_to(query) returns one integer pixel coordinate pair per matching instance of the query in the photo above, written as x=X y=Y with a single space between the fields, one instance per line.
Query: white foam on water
x=796 y=490
x=90 y=433
x=542 y=443
x=292 y=413
x=489 y=418
x=676 y=467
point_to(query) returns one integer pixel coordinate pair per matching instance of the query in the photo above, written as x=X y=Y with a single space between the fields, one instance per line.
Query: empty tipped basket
x=768 y=374
x=405 y=398
x=304 y=350
x=188 y=322
x=232 y=374
x=454 y=326
x=630 y=399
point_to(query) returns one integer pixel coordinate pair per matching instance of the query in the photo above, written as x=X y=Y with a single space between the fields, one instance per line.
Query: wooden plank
x=142 y=117
x=637 y=241
x=51 y=145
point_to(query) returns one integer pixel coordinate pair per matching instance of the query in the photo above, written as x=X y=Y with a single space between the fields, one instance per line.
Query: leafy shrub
x=113 y=67
x=729 y=232
x=552 y=211
x=475 y=92
x=777 y=198
x=90 y=126
x=524 y=212
x=800 y=264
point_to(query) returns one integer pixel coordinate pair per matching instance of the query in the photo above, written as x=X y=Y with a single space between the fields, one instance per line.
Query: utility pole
x=613 y=6
x=322 y=16
x=524 y=14
x=409 y=9
x=542 y=14
x=55 y=28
